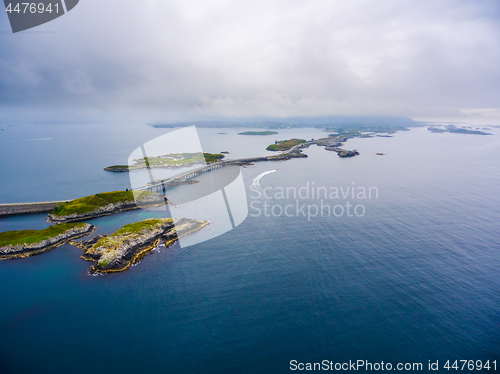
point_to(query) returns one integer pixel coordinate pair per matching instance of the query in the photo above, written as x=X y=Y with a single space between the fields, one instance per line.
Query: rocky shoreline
x=112 y=208
x=103 y=211
x=343 y=153
x=119 y=251
x=26 y=250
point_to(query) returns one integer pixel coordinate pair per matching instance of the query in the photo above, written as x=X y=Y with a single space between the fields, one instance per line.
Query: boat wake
x=256 y=181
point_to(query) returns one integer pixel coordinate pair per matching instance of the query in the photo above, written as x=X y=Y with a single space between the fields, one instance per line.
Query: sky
x=182 y=60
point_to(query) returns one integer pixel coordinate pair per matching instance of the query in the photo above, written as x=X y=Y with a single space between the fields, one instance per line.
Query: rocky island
x=343 y=153
x=24 y=243
x=118 y=251
x=293 y=147
x=102 y=204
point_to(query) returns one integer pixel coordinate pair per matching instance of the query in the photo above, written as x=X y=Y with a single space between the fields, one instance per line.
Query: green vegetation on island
x=258 y=133
x=213 y=157
x=102 y=204
x=285 y=145
x=117 y=168
x=118 y=251
x=23 y=243
x=171 y=160
x=35 y=236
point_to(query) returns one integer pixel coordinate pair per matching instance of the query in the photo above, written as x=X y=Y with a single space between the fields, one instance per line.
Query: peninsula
x=24 y=243
x=118 y=251
x=103 y=204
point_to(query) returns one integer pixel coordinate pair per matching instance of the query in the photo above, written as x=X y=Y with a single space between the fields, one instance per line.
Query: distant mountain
x=294 y=122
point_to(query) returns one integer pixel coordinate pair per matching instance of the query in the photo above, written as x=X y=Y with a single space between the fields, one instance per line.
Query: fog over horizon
x=153 y=61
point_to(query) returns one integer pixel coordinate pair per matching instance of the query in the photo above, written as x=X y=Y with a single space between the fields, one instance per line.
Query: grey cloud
x=161 y=61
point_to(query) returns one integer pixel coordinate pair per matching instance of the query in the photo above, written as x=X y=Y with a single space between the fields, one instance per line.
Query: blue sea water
x=416 y=278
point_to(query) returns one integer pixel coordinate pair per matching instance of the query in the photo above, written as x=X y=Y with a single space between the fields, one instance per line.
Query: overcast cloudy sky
x=159 y=60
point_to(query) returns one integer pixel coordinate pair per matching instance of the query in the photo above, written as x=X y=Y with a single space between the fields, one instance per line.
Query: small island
x=103 y=204
x=285 y=145
x=343 y=153
x=117 y=168
x=24 y=243
x=258 y=133
x=168 y=161
x=213 y=157
x=118 y=251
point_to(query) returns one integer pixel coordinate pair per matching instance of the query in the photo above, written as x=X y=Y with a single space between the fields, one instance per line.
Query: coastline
x=27 y=250
x=145 y=199
x=127 y=249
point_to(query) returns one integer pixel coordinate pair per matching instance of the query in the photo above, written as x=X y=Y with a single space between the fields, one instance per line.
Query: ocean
x=411 y=275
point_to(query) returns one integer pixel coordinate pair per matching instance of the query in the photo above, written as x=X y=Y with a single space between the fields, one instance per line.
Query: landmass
x=213 y=157
x=118 y=251
x=117 y=168
x=343 y=153
x=171 y=160
x=102 y=204
x=293 y=147
x=258 y=133
x=24 y=243
x=225 y=152
x=285 y=145
x=456 y=130
x=167 y=161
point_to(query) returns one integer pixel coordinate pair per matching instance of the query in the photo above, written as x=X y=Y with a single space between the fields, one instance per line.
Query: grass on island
x=285 y=145
x=90 y=203
x=345 y=133
x=35 y=236
x=168 y=160
x=116 y=167
x=133 y=228
x=258 y=133
x=213 y=157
